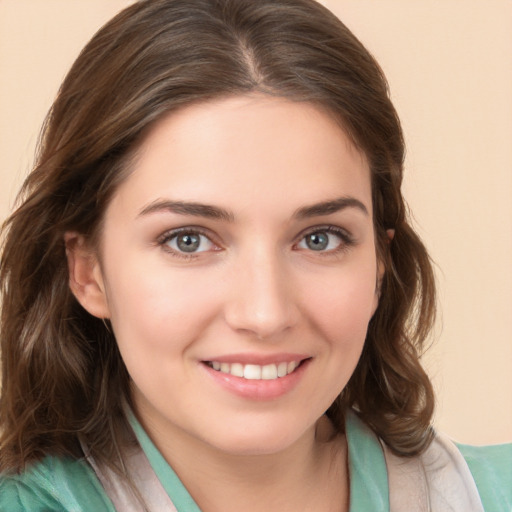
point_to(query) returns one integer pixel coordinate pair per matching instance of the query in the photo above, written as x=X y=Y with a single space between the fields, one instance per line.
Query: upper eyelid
x=163 y=240
x=347 y=240
x=325 y=227
x=171 y=233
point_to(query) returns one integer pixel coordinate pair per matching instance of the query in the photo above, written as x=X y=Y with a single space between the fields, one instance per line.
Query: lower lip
x=259 y=389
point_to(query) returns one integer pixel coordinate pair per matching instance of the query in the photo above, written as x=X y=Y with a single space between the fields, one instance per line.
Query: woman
x=212 y=297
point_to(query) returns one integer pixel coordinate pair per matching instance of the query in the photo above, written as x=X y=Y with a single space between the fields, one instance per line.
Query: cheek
x=341 y=314
x=161 y=309
x=344 y=302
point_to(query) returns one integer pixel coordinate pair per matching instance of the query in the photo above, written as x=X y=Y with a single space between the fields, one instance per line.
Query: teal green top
x=68 y=485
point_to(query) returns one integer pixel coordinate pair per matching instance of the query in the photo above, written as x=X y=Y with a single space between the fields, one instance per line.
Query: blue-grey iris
x=317 y=241
x=188 y=243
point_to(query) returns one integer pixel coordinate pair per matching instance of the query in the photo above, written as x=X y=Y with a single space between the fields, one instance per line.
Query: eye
x=325 y=240
x=188 y=242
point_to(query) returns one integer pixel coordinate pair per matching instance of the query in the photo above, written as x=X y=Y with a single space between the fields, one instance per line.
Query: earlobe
x=85 y=276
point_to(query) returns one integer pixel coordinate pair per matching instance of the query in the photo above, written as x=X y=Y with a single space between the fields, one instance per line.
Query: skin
x=254 y=288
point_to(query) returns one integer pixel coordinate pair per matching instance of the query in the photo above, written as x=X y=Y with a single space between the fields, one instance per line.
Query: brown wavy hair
x=62 y=375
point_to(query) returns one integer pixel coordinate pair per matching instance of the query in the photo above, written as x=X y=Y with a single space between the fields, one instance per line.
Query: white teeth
x=291 y=366
x=282 y=369
x=269 y=372
x=237 y=370
x=252 y=372
x=255 y=371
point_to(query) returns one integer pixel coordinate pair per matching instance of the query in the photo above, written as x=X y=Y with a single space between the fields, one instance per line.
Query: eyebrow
x=186 y=208
x=217 y=213
x=330 y=207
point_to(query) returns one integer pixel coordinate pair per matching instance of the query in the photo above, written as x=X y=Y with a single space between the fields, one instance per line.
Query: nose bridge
x=261 y=301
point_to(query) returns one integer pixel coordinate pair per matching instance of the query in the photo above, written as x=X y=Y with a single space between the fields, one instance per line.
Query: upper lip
x=259 y=359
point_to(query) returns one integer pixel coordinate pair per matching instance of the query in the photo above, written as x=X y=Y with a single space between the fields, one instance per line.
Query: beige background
x=449 y=64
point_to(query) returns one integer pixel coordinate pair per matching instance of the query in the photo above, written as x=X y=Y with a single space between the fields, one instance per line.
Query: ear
x=85 y=276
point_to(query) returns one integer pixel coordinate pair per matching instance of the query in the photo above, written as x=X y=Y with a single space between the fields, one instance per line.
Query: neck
x=311 y=474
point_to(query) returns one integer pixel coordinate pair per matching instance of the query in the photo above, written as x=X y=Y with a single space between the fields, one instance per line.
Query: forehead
x=247 y=151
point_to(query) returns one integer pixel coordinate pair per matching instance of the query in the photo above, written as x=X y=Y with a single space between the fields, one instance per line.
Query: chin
x=263 y=439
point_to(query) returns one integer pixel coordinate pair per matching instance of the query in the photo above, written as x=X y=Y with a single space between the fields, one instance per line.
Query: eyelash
x=347 y=240
x=189 y=230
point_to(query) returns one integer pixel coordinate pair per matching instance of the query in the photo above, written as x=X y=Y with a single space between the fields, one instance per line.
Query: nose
x=262 y=302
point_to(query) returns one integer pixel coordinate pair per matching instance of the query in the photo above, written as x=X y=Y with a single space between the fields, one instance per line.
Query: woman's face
x=238 y=268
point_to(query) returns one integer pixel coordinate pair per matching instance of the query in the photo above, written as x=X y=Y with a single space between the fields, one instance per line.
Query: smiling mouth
x=255 y=371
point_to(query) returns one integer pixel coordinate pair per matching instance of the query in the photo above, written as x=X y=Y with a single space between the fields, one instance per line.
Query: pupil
x=317 y=241
x=188 y=243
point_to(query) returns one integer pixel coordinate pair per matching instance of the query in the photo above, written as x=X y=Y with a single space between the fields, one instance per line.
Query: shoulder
x=491 y=467
x=55 y=484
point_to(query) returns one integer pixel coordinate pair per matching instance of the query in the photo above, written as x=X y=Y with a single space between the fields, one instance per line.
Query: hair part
x=62 y=374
